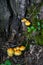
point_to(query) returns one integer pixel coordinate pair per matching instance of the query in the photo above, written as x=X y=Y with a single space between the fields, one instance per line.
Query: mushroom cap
x=10 y=52
x=17 y=53
x=17 y=48
x=23 y=20
x=27 y=23
x=14 y=49
x=22 y=48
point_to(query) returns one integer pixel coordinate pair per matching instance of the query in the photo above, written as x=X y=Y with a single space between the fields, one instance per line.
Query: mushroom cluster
x=17 y=51
x=27 y=22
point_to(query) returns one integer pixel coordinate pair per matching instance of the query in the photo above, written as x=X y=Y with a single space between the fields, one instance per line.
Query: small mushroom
x=27 y=23
x=14 y=49
x=22 y=48
x=23 y=20
x=10 y=52
x=17 y=53
x=17 y=48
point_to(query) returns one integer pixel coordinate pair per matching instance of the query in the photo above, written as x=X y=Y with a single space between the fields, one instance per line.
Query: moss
x=39 y=38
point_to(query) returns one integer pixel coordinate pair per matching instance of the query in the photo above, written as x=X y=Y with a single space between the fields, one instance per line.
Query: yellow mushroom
x=23 y=20
x=14 y=49
x=10 y=52
x=22 y=48
x=17 y=48
x=17 y=53
x=27 y=23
